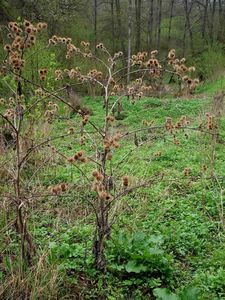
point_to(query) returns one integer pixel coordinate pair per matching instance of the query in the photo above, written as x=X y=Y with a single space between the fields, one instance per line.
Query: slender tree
x=138 y=24
x=170 y=22
x=95 y=22
x=159 y=23
x=150 y=24
x=212 y=27
x=205 y=19
x=120 y=30
x=188 y=9
x=113 y=25
x=129 y=40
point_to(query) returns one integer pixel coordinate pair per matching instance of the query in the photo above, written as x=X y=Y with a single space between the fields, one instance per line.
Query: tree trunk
x=138 y=24
x=221 y=23
x=188 y=24
x=159 y=23
x=170 y=22
x=129 y=40
x=156 y=12
x=205 y=20
x=184 y=38
x=120 y=30
x=212 y=33
x=95 y=23
x=150 y=25
x=102 y=234
x=27 y=247
x=113 y=26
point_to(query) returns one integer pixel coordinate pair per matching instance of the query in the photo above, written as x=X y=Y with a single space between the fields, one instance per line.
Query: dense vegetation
x=112 y=162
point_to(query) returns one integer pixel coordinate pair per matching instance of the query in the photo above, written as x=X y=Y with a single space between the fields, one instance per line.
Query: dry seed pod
x=63 y=187
x=125 y=181
x=95 y=173
x=99 y=177
x=71 y=159
x=187 y=171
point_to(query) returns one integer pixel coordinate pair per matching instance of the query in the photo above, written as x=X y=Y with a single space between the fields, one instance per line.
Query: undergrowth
x=168 y=241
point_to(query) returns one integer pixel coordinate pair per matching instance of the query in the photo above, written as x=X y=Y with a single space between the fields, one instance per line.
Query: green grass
x=212 y=87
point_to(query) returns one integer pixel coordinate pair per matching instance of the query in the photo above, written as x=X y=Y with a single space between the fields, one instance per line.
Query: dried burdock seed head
x=55 y=107
x=26 y=23
x=99 y=177
x=100 y=46
x=191 y=69
x=125 y=180
x=71 y=159
x=95 y=173
x=63 y=187
x=76 y=156
x=176 y=141
x=54 y=190
x=204 y=168
x=169 y=120
x=178 y=125
x=34 y=29
x=42 y=77
x=172 y=54
x=185 y=78
x=83 y=159
x=154 y=53
x=44 y=25
x=60 y=40
x=108 y=197
x=22 y=46
x=110 y=118
x=39 y=26
x=29 y=29
x=71 y=131
x=14 y=29
x=80 y=153
x=183 y=68
x=82 y=140
x=19 y=31
x=109 y=156
x=68 y=41
x=7 y=48
x=10 y=25
x=2 y=101
x=32 y=38
x=107 y=145
x=10 y=35
x=102 y=195
x=196 y=81
x=187 y=171
x=138 y=80
x=51 y=42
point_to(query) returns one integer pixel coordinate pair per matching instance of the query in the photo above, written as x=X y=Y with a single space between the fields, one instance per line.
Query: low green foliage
x=138 y=253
